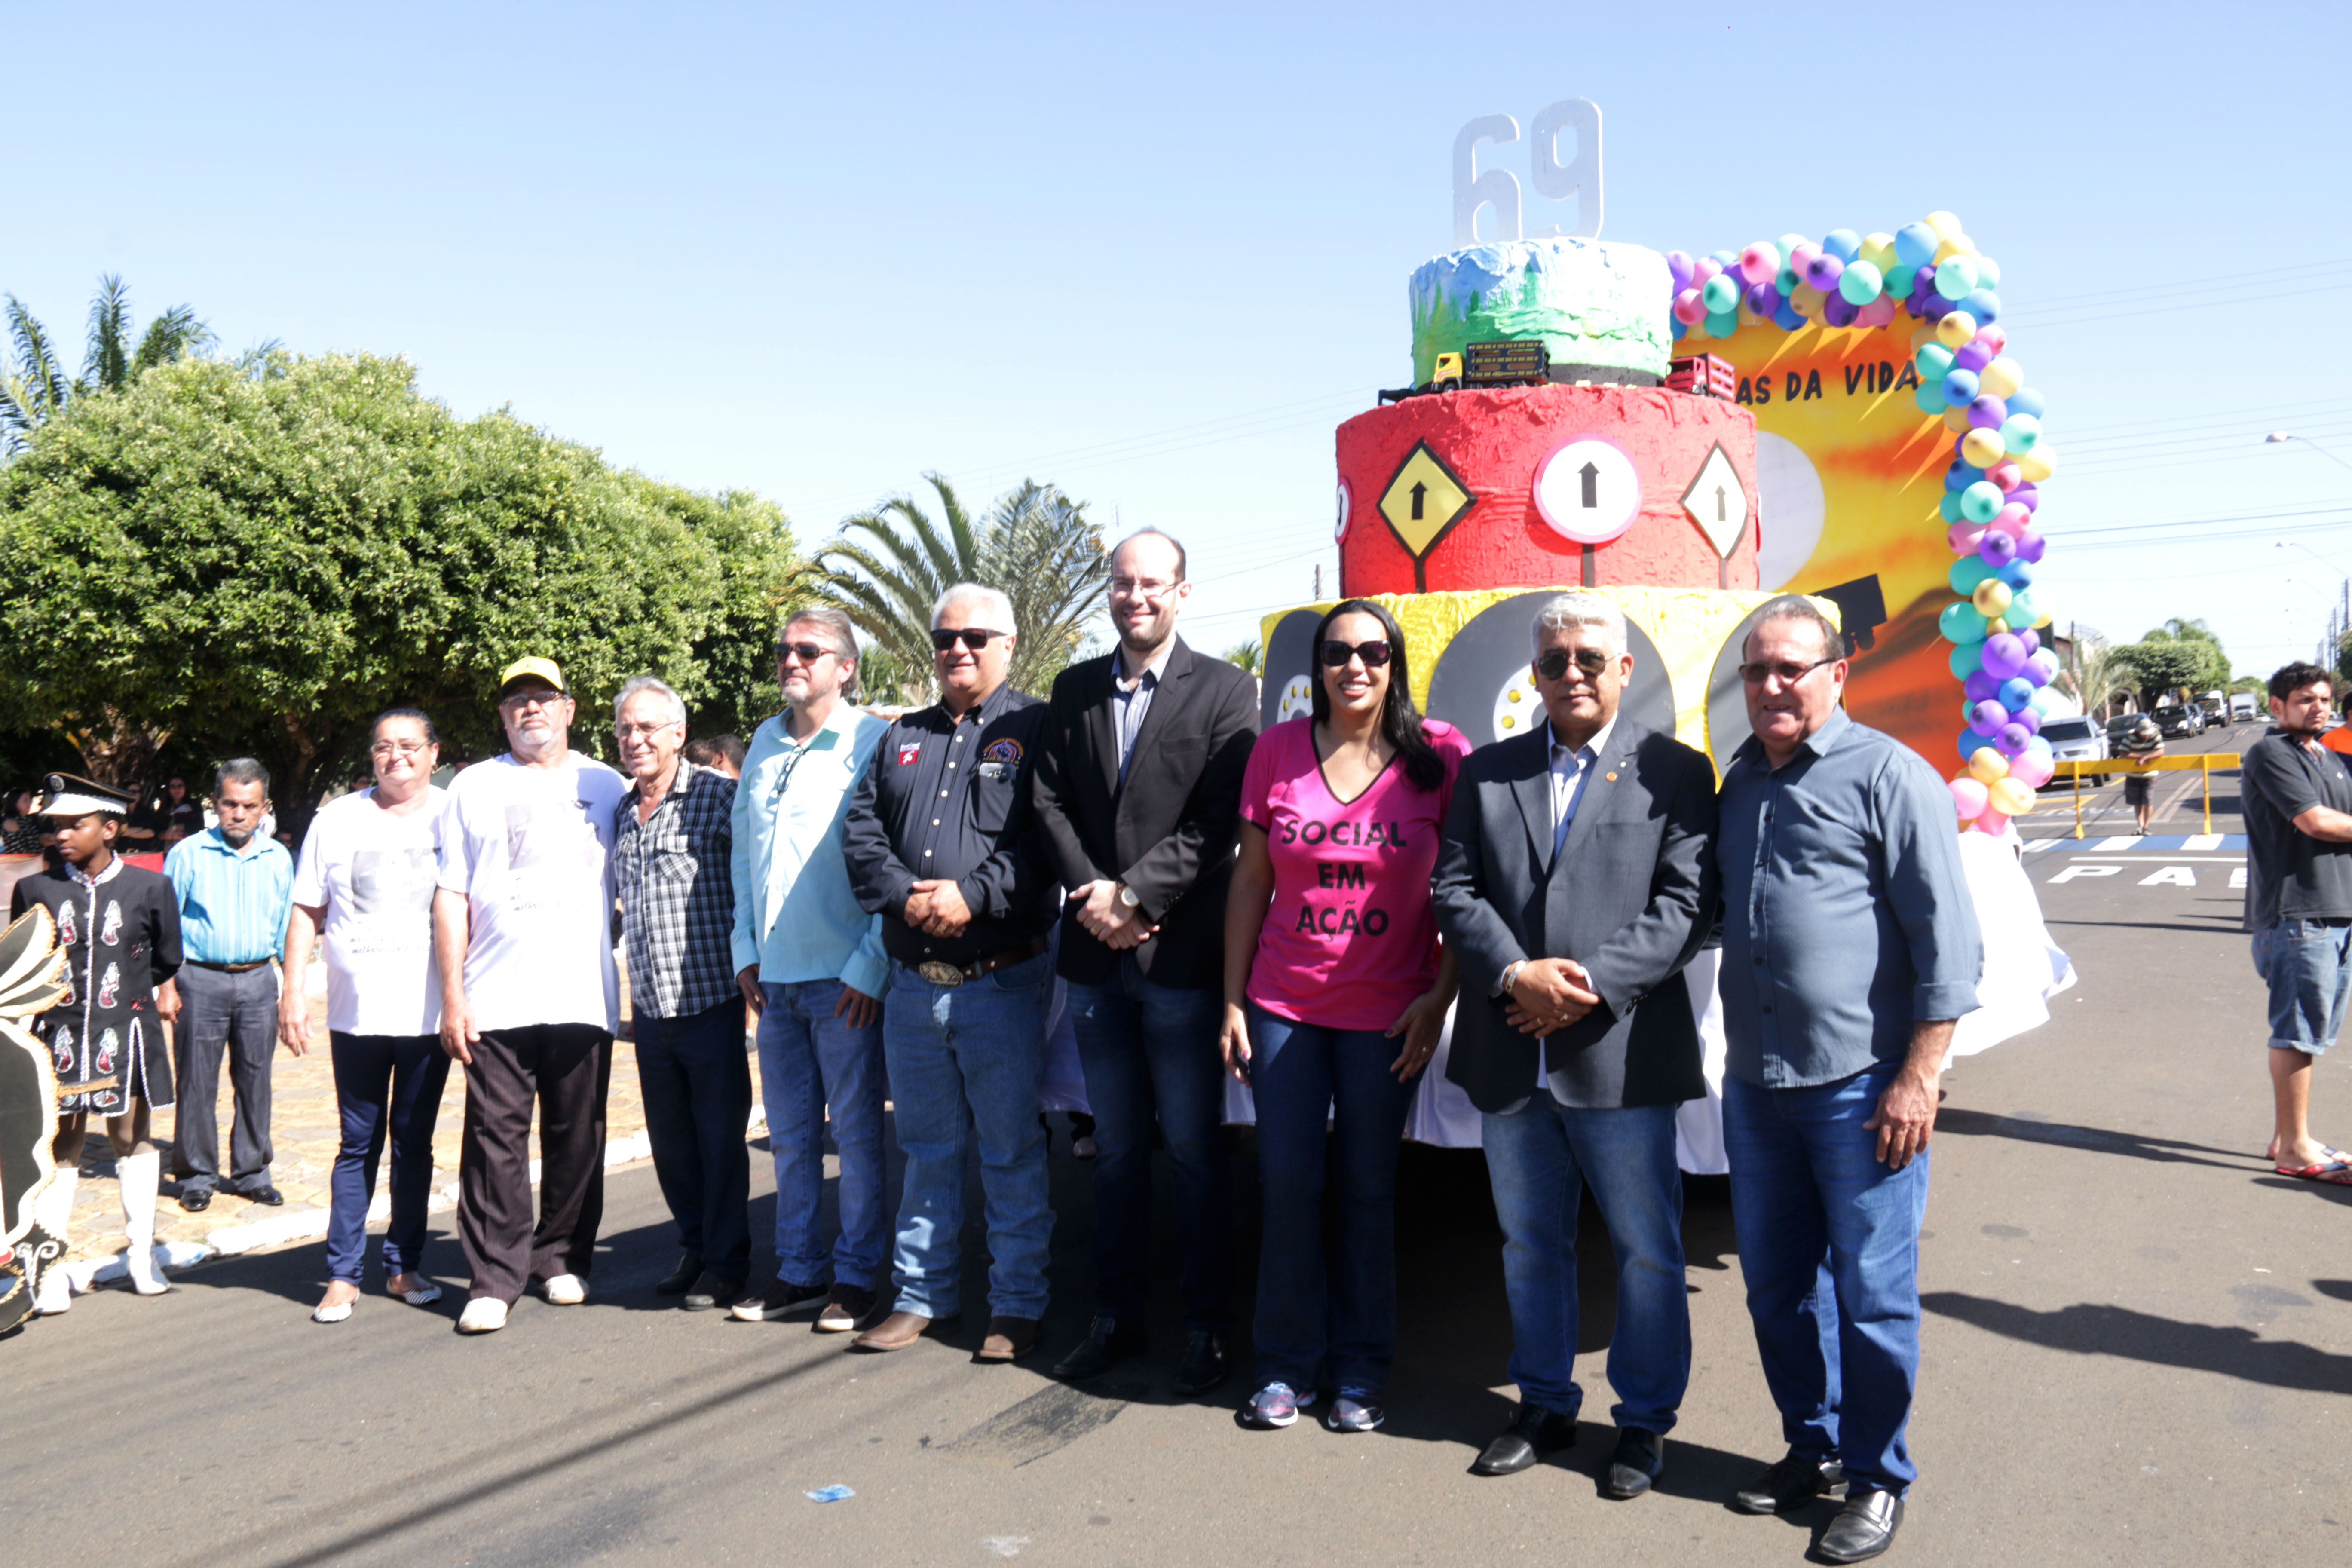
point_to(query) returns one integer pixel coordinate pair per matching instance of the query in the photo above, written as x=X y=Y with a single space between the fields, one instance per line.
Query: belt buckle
x=947 y=976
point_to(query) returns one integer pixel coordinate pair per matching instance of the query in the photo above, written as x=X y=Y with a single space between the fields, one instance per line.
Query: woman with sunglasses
x=364 y=882
x=1336 y=989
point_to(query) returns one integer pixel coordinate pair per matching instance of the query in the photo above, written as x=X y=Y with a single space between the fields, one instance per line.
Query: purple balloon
x=1996 y=548
x=1986 y=413
x=2026 y=496
x=2011 y=739
x=1764 y=300
x=1934 y=307
x=2004 y=656
x=2045 y=664
x=2030 y=546
x=1986 y=717
x=2030 y=719
x=1840 y=311
x=1980 y=687
x=1679 y=267
x=2031 y=640
x=1973 y=356
x=1824 y=272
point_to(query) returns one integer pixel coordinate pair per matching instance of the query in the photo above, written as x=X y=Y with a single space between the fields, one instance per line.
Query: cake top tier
x=1592 y=303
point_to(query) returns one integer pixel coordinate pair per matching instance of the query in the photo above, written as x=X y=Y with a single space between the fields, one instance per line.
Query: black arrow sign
x=1720 y=516
x=1418 y=492
x=1591 y=484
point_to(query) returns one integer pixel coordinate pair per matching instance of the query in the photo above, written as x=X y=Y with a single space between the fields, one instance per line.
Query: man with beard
x=235 y=889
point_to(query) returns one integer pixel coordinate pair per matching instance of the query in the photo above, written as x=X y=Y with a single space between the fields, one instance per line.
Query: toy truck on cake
x=1508 y=363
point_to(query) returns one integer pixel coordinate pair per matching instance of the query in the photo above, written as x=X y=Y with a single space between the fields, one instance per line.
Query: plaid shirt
x=678 y=895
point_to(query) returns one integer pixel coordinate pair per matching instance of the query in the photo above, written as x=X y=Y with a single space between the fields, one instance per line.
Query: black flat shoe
x=713 y=1290
x=1864 y=1528
x=1204 y=1363
x=196 y=1203
x=680 y=1280
x=1104 y=1344
x=1533 y=1433
x=1793 y=1479
x=1640 y=1458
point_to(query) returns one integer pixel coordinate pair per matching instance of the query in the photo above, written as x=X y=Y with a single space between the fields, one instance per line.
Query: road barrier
x=2204 y=762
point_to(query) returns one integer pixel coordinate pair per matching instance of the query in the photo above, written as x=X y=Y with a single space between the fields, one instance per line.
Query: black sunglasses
x=1374 y=653
x=1756 y=671
x=972 y=638
x=809 y=652
x=1554 y=664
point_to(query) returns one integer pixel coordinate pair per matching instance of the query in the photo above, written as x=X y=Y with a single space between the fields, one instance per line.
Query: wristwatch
x=1127 y=896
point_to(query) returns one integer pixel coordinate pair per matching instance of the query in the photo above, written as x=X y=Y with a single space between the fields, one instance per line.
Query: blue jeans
x=811 y=1060
x=1540 y=1158
x=388 y=1087
x=1309 y=1322
x=1829 y=1241
x=697 y=1088
x=1148 y=1047
x=2307 y=965
x=965 y=1061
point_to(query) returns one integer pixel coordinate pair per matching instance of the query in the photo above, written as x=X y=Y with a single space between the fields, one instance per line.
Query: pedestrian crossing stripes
x=2154 y=843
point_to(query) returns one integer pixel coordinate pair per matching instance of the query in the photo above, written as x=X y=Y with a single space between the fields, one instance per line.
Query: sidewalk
x=304 y=1132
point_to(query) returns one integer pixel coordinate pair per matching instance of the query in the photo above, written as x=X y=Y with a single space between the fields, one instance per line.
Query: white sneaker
x=56 y=1294
x=483 y=1315
x=566 y=1291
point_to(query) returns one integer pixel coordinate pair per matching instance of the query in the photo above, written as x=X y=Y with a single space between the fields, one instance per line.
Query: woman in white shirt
x=365 y=879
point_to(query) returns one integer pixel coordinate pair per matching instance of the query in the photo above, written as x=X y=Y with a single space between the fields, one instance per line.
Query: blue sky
x=1155 y=255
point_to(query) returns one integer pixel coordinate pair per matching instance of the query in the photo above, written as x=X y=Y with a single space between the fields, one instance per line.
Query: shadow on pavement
x=1954 y=1122
x=2096 y=1329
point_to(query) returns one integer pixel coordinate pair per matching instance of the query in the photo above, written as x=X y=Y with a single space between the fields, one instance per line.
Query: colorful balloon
x=1990 y=598
x=1988 y=764
x=2015 y=694
x=1842 y=243
x=1915 y=245
x=2004 y=656
x=2025 y=400
x=2019 y=434
x=1996 y=548
x=1963 y=536
x=1961 y=622
x=1679 y=267
x=1987 y=414
x=2001 y=375
x=1981 y=303
x=1955 y=278
x=2029 y=546
x=1721 y=292
x=1954 y=327
x=1759 y=262
x=1984 y=446
x=2032 y=767
x=1860 y=282
x=1981 y=502
x=1959 y=387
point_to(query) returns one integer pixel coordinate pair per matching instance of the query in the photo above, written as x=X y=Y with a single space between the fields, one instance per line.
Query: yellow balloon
x=1878 y=249
x=1981 y=448
x=1944 y=223
x=1807 y=301
x=1955 y=420
x=1986 y=766
x=1956 y=329
x=1956 y=245
x=2037 y=465
x=1993 y=596
x=1996 y=624
x=2012 y=797
x=2000 y=378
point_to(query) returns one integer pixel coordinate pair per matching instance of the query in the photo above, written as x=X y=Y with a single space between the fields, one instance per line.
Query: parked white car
x=2074 y=740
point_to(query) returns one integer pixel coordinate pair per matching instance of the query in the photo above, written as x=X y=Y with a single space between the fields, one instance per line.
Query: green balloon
x=1935 y=362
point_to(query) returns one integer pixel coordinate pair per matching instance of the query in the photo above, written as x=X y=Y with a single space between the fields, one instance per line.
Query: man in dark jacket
x=1572 y=885
x=1139 y=793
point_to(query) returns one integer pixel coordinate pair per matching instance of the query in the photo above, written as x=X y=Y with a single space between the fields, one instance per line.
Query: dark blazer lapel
x=1531 y=786
x=1102 y=725
x=1606 y=769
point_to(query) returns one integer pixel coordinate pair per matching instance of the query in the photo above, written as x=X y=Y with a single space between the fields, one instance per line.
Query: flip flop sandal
x=2337 y=1171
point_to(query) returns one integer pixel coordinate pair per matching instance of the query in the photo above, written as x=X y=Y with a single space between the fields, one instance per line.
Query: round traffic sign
x=1587 y=489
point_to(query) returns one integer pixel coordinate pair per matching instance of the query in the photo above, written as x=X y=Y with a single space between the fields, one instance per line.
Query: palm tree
x=33 y=388
x=1250 y=656
x=888 y=567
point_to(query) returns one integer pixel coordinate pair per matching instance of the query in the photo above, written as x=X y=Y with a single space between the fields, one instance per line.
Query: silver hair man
x=993 y=602
x=1568 y=610
x=658 y=686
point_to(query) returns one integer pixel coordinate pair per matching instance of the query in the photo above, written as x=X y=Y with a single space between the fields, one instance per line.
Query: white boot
x=139 y=1174
x=53 y=1211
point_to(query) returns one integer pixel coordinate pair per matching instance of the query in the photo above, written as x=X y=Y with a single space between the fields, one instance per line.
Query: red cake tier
x=1528 y=486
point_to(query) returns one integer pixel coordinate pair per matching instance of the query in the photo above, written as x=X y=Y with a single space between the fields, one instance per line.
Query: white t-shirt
x=531 y=849
x=375 y=872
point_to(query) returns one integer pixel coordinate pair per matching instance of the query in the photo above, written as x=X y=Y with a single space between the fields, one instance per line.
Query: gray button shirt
x=1846 y=917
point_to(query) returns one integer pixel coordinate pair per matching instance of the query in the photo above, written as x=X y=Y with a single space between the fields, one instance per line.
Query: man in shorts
x=2298 y=808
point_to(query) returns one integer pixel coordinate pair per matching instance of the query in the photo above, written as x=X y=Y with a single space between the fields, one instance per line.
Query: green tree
x=888 y=567
x=33 y=387
x=1250 y=656
x=260 y=563
x=2161 y=666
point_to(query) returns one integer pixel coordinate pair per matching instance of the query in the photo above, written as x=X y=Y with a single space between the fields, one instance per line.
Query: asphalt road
x=2139 y=1346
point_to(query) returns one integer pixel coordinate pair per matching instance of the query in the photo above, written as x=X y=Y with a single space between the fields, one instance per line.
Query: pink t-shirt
x=1350 y=940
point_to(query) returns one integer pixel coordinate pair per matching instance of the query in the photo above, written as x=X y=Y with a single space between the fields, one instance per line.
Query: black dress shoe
x=1640 y=1458
x=680 y=1280
x=1105 y=1343
x=1864 y=1528
x=197 y=1202
x=1533 y=1433
x=1793 y=1479
x=268 y=1196
x=713 y=1290
x=1204 y=1363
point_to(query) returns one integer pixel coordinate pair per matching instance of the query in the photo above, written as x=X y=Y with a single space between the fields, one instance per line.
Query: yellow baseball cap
x=531 y=669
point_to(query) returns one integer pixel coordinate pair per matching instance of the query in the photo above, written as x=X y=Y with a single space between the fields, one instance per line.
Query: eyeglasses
x=1757 y=672
x=521 y=700
x=397 y=749
x=641 y=732
x=972 y=638
x=1554 y=663
x=1374 y=653
x=1139 y=588
x=807 y=652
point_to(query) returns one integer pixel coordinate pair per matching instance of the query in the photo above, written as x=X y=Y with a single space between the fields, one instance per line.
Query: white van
x=2242 y=708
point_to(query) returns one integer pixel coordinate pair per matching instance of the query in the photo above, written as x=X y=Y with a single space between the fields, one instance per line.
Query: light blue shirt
x=796 y=916
x=233 y=907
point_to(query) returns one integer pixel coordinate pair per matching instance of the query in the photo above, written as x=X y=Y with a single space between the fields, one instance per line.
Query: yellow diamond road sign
x=1424 y=500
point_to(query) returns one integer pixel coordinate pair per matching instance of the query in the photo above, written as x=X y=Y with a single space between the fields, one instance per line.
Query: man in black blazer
x=1138 y=797
x=1573 y=883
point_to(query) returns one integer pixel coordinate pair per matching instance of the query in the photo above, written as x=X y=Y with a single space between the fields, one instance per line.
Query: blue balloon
x=1961 y=474
x=2025 y=400
x=1724 y=325
x=2017 y=573
x=1960 y=389
x=1983 y=304
x=1965 y=659
x=1971 y=743
x=1842 y=243
x=1915 y=244
x=1786 y=317
x=2037 y=744
x=1678 y=328
x=2016 y=693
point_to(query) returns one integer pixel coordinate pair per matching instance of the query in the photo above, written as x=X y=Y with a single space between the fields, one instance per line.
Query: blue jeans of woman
x=1315 y=1321
x=388 y=1089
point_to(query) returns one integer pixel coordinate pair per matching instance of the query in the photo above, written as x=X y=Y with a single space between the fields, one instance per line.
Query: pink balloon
x=1689 y=309
x=1878 y=312
x=1964 y=537
x=1994 y=821
x=2033 y=768
x=2007 y=476
x=1759 y=263
x=1705 y=267
x=2013 y=520
x=1800 y=257
x=1993 y=336
x=1969 y=797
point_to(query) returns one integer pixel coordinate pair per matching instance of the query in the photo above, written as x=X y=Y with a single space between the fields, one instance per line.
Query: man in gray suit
x=1573 y=883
